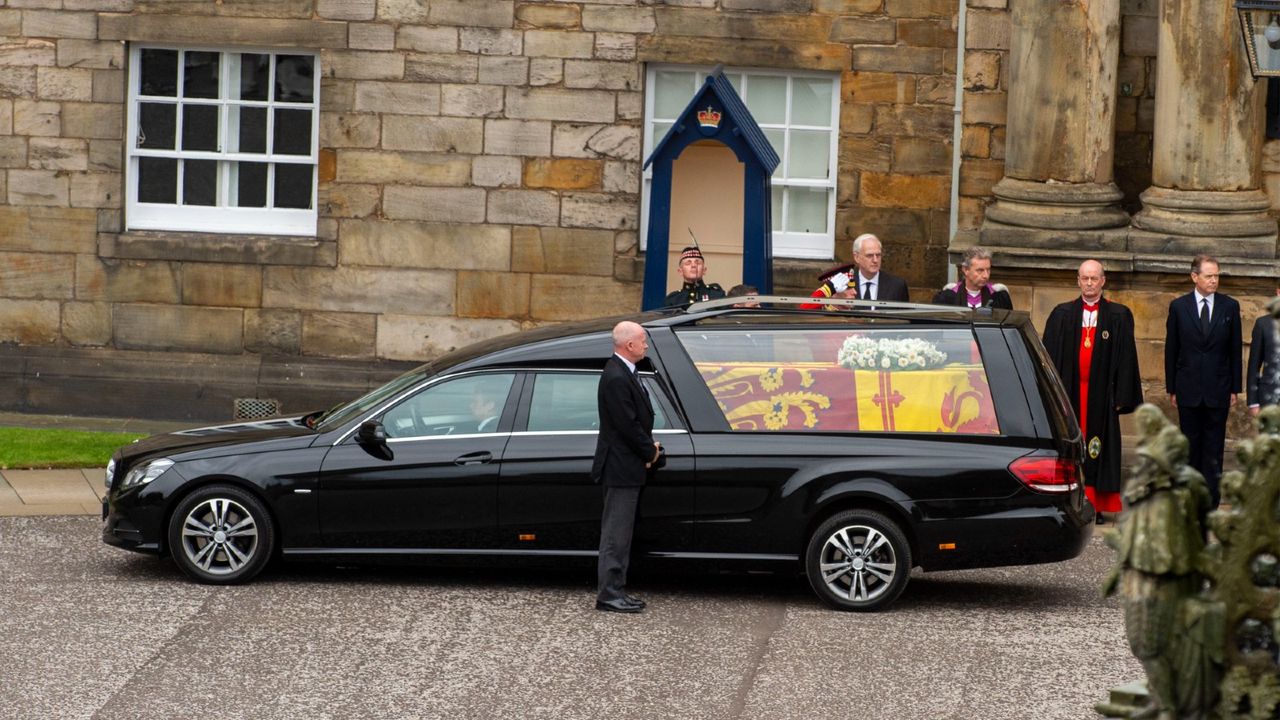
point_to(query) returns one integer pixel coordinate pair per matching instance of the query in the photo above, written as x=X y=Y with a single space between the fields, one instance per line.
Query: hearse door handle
x=475 y=458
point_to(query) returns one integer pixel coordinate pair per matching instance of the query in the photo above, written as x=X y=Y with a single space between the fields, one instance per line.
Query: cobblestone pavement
x=88 y=631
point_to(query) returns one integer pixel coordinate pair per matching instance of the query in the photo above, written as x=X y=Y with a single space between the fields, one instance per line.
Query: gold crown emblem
x=709 y=117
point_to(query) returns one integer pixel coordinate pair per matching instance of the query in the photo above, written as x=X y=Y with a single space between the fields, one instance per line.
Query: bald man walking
x=625 y=454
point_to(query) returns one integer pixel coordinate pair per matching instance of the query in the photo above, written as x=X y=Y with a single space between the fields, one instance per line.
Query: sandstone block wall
x=480 y=161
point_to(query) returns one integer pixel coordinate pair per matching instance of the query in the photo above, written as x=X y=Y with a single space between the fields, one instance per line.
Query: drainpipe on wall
x=958 y=131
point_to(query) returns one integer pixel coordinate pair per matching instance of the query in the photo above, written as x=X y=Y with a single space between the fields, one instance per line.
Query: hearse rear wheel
x=858 y=560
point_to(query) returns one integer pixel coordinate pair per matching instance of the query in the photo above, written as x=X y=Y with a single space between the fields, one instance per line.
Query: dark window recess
x=200 y=127
x=200 y=74
x=160 y=72
x=293 y=186
x=292 y=133
x=157 y=124
x=1273 y=108
x=294 y=78
x=255 y=74
x=200 y=182
x=157 y=180
x=251 y=185
x=252 y=125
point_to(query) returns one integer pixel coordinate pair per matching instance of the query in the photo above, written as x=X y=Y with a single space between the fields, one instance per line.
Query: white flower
x=905 y=353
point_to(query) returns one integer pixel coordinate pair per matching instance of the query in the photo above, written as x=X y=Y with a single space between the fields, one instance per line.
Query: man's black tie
x=866 y=291
x=1204 y=316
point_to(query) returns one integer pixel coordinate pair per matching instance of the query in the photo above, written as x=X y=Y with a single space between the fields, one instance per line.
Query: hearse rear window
x=863 y=379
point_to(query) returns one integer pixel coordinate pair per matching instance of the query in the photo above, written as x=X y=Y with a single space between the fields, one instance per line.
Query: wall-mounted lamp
x=1260 y=25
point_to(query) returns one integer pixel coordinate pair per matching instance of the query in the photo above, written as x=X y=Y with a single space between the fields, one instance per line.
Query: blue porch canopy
x=717 y=113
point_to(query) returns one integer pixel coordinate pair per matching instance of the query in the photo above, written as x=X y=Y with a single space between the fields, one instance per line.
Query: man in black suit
x=625 y=452
x=868 y=282
x=1261 y=383
x=1202 y=366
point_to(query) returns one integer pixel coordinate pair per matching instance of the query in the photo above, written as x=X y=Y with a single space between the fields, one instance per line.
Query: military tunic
x=692 y=293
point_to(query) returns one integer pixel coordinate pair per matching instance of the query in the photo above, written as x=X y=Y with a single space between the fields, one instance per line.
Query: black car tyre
x=858 y=560
x=220 y=535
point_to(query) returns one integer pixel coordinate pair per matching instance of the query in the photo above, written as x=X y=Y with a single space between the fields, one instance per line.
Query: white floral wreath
x=860 y=352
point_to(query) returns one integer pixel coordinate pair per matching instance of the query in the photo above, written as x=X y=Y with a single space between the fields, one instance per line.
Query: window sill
x=219 y=248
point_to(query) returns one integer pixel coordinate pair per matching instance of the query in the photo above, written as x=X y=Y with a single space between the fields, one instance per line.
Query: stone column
x=1206 y=170
x=1061 y=118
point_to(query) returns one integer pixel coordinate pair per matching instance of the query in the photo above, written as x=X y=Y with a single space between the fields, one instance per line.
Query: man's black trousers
x=616 y=525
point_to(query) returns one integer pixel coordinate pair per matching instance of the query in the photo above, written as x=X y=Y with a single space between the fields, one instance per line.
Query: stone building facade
x=477 y=171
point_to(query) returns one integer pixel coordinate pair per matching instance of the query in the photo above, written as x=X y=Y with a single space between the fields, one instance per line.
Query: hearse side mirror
x=371 y=432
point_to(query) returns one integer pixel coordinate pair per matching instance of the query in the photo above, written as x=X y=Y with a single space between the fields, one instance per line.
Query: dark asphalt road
x=87 y=631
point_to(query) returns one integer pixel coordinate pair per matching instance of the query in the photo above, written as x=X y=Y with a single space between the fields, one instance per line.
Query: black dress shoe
x=620 y=605
x=1098 y=518
x=634 y=600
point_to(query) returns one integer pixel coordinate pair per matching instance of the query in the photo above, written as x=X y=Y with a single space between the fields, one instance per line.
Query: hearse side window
x=466 y=405
x=853 y=379
x=567 y=401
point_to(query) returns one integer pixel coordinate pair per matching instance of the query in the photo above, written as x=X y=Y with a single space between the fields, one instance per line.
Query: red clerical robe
x=1094 y=351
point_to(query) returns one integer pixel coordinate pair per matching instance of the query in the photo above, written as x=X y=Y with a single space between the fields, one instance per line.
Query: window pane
x=250 y=183
x=200 y=74
x=807 y=210
x=200 y=127
x=292 y=135
x=809 y=155
x=294 y=75
x=767 y=99
x=455 y=407
x=254 y=72
x=811 y=102
x=564 y=402
x=830 y=380
x=157 y=180
x=293 y=186
x=735 y=79
x=775 y=207
x=157 y=125
x=655 y=391
x=778 y=139
x=247 y=128
x=674 y=89
x=159 y=72
x=200 y=182
x=659 y=131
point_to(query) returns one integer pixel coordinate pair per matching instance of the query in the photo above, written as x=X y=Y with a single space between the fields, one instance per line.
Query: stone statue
x=1160 y=572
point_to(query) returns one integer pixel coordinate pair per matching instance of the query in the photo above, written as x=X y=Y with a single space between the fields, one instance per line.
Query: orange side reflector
x=946 y=546
x=527 y=537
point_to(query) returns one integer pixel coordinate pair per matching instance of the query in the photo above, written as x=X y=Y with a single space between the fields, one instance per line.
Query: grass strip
x=52 y=448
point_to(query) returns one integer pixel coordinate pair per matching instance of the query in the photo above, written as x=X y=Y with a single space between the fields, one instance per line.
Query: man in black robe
x=1096 y=335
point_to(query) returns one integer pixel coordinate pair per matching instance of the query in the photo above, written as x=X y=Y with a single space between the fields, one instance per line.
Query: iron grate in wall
x=255 y=408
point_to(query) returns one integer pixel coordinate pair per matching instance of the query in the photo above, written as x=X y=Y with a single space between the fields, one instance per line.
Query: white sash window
x=799 y=113
x=222 y=140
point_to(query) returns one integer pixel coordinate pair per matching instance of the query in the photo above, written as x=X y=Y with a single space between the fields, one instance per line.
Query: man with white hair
x=868 y=282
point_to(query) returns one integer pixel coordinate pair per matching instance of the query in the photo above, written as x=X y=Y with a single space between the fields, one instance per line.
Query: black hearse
x=851 y=443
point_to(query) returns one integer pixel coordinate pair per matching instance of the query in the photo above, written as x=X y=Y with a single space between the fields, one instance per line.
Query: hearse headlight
x=146 y=472
x=111 y=472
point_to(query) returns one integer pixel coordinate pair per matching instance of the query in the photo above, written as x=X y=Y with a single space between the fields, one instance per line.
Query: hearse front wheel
x=221 y=535
x=858 y=560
